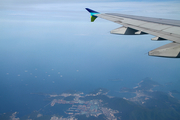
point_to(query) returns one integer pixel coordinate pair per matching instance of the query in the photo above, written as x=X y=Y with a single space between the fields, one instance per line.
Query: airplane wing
x=162 y=29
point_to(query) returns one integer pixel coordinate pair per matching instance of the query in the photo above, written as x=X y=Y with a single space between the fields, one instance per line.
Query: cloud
x=60 y=10
x=82 y=34
x=39 y=115
x=5 y=2
x=49 y=1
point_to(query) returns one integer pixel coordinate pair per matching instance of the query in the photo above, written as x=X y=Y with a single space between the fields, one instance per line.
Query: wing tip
x=91 y=11
x=93 y=14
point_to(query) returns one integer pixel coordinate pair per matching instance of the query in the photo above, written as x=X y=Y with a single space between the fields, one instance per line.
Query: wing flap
x=124 y=31
x=168 y=50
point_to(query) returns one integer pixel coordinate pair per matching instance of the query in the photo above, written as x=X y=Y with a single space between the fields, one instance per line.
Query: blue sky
x=60 y=36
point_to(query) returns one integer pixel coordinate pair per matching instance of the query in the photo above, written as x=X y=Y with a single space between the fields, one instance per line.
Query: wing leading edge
x=163 y=29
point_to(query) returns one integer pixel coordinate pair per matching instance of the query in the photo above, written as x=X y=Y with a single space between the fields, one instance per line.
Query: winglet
x=93 y=14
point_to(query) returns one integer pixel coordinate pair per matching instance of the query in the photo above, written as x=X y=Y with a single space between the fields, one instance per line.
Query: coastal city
x=98 y=105
x=80 y=107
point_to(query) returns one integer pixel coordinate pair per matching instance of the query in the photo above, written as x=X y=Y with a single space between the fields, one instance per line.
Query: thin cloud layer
x=4 y=2
x=50 y=1
x=76 y=11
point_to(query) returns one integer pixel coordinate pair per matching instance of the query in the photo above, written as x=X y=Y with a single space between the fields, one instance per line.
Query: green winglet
x=93 y=18
x=93 y=14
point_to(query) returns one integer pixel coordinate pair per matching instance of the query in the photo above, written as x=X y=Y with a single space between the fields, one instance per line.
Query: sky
x=52 y=46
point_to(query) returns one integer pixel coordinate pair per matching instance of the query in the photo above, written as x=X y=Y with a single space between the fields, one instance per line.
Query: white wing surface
x=163 y=29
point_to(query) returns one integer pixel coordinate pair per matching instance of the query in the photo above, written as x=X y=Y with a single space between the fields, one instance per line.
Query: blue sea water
x=23 y=89
x=24 y=72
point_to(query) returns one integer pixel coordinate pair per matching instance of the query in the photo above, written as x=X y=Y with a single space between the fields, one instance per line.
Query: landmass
x=148 y=104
